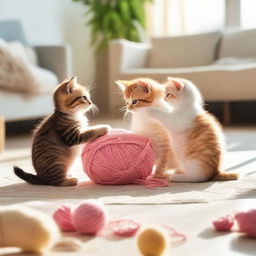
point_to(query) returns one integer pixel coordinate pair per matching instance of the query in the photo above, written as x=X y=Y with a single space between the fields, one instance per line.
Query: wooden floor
x=194 y=219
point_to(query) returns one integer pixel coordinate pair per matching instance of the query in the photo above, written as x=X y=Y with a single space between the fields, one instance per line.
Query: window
x=248 y=17
x=179 y=17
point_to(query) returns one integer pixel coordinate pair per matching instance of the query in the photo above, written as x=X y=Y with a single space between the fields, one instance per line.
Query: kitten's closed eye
x=170 y=95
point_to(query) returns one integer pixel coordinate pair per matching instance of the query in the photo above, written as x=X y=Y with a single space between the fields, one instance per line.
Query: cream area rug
x=243 y=162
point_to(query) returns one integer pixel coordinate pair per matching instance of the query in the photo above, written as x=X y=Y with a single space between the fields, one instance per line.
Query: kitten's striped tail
x=222 y=176
x=30 y=178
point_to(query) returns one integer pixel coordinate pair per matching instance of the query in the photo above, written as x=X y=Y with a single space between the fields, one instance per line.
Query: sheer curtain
x=248 y=16
x=180 y=17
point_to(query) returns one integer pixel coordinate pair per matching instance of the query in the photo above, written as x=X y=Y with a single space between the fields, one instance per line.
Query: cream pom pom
x=28 y=229
x=153 y=241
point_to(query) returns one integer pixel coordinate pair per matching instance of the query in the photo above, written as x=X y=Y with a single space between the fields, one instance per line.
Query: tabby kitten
x=55 y=139
x=140 y=94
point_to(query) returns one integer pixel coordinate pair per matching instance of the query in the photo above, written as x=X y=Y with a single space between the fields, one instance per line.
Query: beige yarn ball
x=153 y=241
x=27 y=228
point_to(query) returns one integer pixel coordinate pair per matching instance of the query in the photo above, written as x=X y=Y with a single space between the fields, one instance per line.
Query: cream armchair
x=222 y=65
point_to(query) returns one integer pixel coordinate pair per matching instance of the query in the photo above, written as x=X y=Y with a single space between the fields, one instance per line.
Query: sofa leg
x=226 y=113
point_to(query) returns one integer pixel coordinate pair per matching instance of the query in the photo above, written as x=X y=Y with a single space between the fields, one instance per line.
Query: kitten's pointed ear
x=121 y=84
x=70 y=85
x=144 y=85
x=178 y=84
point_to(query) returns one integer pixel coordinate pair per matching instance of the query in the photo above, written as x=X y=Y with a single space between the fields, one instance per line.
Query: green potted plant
x=111 y=19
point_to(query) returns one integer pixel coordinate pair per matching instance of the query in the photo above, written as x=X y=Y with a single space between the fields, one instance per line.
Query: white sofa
x=54 y=65
x=221 y=64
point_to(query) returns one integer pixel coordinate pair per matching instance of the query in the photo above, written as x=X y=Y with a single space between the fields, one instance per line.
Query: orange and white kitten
x=139 y=94
x=196 y=136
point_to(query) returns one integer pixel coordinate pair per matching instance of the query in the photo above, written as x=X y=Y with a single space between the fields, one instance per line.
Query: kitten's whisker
x=94 y=109
x=90 y=86
x=123 y=109
x=126 y=115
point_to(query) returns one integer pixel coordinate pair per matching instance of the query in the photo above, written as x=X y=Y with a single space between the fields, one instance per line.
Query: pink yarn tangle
x=176 y=237
x=120 y=158
x=247 y=222
x=153 y=182
x=125 y=228
x=224 y=223
x=62 y=216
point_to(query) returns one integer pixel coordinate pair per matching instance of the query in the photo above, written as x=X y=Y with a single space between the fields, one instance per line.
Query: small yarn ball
x=89 y=217
x=247 y=222
x=62 y=216
x=117 y=158
x=153 y=241
x=223 y=223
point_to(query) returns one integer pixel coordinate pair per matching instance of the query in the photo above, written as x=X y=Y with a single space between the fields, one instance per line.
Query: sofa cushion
x=12 y=30
x=45 y=78
x=19 y=74
x=233 y=61
x=14 y=106
x=240 y=43
x=183 y=51
x=27 y=53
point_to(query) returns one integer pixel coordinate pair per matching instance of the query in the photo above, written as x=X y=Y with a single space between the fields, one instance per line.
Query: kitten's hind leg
x=193 y=172
x=69 y=182
x=163 y=151
x=57 y=176
x=164 y=154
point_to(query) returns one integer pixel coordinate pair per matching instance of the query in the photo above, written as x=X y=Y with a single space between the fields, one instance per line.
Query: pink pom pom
x=120 y=158
x=247 y=222
x=176 y=237
x=124 y=228
x=224 y=223
x=89 y=217
x=63 y=218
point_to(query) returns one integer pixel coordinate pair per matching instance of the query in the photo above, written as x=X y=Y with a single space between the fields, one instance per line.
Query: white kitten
x=196 y=136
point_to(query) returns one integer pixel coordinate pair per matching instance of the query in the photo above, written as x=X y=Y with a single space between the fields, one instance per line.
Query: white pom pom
x=27 y=228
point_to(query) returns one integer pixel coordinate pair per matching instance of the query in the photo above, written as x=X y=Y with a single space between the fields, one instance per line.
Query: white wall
x=55 y=22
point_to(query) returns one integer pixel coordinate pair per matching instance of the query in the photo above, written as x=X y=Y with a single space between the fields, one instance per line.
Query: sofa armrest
x=124 y=54
x=56 y=59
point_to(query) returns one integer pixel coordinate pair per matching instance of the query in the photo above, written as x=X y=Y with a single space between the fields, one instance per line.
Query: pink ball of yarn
x=224 y=223
x=247 y=222
x=118 y=158
x=89 y=217
x=63 y=218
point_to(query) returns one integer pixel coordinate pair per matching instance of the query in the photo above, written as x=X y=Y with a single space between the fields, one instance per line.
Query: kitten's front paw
x=103 y=130
x=173 y=164
x=179 y=171
x=174 y=171
x=160 y=176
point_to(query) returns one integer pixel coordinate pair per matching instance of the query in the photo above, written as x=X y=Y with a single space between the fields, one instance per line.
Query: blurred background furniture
x=221 y=64
x=2 y=133
x=54 y=65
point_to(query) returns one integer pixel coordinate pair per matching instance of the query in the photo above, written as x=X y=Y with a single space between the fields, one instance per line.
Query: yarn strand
x=152 y=182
